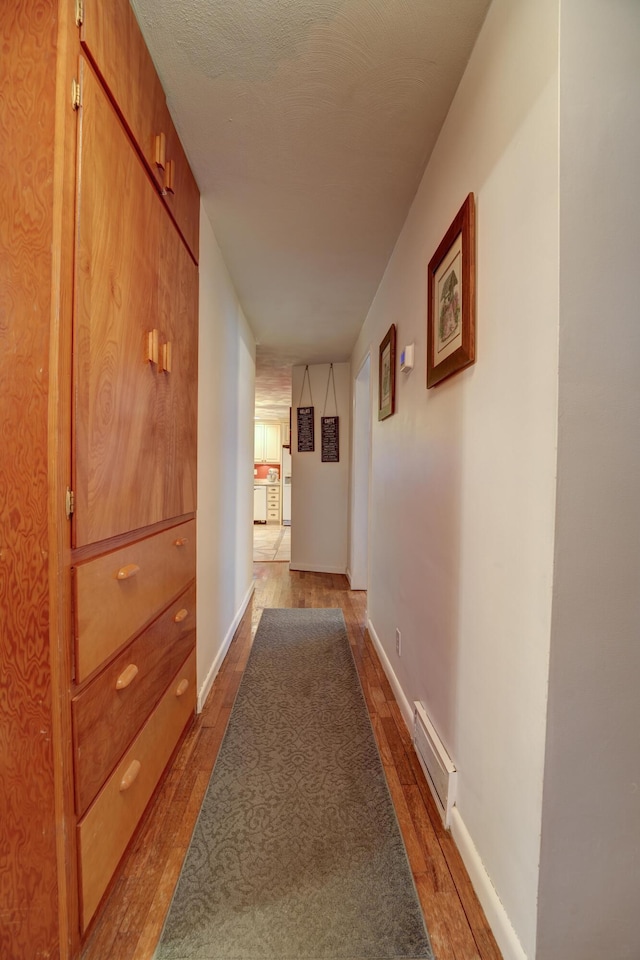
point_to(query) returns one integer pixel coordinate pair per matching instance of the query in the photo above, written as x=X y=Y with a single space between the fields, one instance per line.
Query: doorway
x=359 y=559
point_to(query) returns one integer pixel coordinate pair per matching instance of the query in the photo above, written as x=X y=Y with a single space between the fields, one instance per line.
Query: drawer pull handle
x=127 y=676
x=182 y=687
x=181 y=615
x=125 y=573
x=181 y=541
x=130 y=776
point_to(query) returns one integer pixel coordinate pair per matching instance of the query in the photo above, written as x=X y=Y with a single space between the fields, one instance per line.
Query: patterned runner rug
x=297 y=853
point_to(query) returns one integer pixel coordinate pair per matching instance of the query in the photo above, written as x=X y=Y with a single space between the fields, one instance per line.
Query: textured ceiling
x=308 y=124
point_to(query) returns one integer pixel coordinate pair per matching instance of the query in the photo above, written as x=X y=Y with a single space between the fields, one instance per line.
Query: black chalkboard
x=330 y=439
x=305 y=430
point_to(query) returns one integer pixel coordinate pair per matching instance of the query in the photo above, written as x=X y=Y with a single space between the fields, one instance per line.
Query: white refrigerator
x=286 y=501
x=286 y=486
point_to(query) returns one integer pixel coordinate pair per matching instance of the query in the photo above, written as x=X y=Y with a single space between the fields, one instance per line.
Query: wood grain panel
x=109 y=611
x=177 y=396
x=112 y=39
x=107 y=828
x=118 y=462
x=105 y=718
x=136 y=425
x=28 y=863
x=184 y=202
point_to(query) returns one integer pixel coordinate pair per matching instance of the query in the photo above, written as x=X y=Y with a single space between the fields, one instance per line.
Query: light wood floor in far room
x=271 y=542
x=132 y=921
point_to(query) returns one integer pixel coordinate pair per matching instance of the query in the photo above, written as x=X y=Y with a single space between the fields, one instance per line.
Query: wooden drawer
x=117 y=594
x=111 y=37
x=105 y=831
x=109 y=712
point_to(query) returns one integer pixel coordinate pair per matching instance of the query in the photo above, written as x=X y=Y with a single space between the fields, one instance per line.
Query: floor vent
x=435 y=761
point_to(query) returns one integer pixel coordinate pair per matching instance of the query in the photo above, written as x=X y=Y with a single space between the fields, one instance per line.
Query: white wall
x=590 y=864
x=319 y=491
x=226 y=388
x=463 y=475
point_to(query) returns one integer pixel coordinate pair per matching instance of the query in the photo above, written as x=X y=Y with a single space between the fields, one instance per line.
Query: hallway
x=134 y=915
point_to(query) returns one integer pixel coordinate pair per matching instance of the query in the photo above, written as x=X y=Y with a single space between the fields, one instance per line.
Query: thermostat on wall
x=406 y=358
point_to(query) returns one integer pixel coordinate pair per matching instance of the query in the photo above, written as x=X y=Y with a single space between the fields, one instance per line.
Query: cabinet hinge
x=75 y=95
x=79 y=12
x=70 y=502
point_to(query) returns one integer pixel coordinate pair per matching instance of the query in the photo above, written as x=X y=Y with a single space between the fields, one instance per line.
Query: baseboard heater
x=438 y=767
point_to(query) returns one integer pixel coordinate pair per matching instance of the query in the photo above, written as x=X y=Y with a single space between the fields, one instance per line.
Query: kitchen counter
x=264 y=483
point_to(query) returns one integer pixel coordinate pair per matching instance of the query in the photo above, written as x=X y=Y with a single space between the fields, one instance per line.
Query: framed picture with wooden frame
x=387 y=375
x=451 y=323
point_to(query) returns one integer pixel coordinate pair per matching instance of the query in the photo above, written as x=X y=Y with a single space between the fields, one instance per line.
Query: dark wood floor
x=132 y=921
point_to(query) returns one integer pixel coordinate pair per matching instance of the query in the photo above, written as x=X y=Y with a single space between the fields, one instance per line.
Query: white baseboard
x=496 y=915
x=491 y=904
x=315 y=568
x=212 y=673
x=406 y=708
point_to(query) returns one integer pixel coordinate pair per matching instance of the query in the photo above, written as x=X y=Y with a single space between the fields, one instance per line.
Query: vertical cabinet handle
x=130 y=570
x=165 y=364
x=160 y=150
x=170 y=176
x=130 y=776
x=153 y=347
x=127 y=676
x=182 y=687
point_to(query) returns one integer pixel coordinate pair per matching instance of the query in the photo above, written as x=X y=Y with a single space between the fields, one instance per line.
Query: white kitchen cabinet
x=267 y=447
x=273 y=503
x=259 y=504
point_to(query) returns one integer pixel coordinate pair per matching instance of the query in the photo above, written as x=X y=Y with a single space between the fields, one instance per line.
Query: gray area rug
x=297 y=852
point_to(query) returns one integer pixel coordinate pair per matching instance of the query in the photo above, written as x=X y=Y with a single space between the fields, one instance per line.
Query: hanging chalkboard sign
x=305 y=430
x=330 y=439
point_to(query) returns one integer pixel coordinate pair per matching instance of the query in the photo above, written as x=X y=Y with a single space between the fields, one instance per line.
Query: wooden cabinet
x=99 y=291
x=267 y=446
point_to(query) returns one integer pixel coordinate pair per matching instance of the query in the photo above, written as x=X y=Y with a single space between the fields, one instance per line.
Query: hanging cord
x=332 y=378
x=308 y=378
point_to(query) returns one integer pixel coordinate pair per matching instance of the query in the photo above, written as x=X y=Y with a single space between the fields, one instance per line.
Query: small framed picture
x=387 y=375
x=451 y=325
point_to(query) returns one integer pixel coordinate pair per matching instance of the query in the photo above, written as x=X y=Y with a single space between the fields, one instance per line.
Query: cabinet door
x=134 y=426
x=113 y=41
x=258 y=443
x=272 y=442
x=177 y=397
x=117 y=480
x=181 y=193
